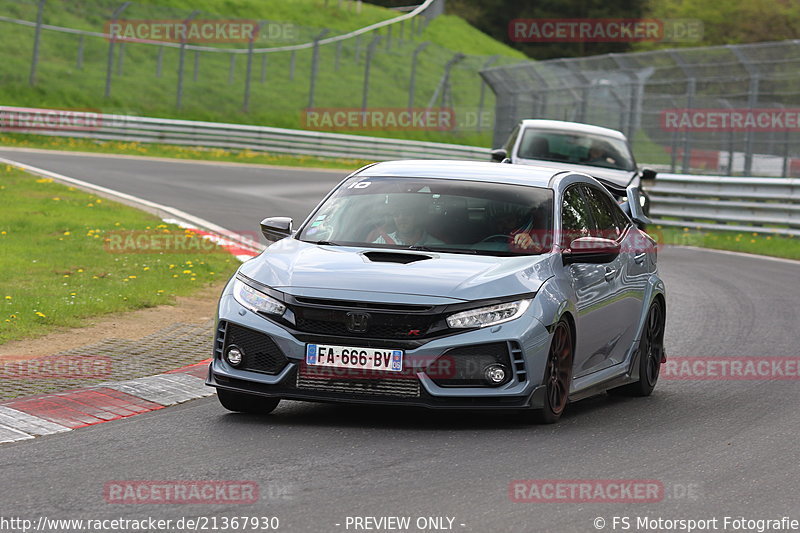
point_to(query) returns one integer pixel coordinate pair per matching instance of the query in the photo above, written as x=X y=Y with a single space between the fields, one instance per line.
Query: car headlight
x=256 y=300
x=488 y=316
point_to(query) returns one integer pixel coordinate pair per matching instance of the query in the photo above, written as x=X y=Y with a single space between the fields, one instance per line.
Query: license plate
x=352 y=357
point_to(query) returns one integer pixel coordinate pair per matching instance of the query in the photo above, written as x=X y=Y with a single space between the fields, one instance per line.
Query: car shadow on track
x=306 y=414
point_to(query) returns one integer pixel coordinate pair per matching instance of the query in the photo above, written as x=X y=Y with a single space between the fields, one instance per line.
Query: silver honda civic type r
x=447 y=284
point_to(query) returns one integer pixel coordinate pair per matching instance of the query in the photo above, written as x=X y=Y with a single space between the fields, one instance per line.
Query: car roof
x=464 y=170
x=575 y=127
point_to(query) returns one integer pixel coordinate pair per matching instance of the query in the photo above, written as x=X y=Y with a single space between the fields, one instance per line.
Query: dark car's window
x=575 y=218
x=436 y=214
x=576 y=148
x=609 y=219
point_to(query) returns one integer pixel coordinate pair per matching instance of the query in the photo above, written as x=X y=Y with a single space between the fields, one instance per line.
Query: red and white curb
x=35 y=416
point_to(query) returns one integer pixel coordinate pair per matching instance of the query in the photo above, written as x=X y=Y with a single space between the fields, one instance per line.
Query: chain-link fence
x=62 y=52
x=725 y=109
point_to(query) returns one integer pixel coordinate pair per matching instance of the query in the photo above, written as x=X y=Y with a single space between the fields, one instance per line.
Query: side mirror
x=591 y=250
x=499 y=154
x=648 y=174
x=635 y=206
x=276 y=228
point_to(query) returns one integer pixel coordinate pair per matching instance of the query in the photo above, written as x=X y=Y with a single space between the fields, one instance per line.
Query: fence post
x=487 y=64
x=196 y=69
x=388 y=37
x=181 y=58
x=230 y=69
x=370 y=52
x=412 y=85
x=314 y=61
x=248 y=75
x=338 y=53
x=120 y=58
x=291 y=64
x=36 y=38
x=79 y=64
x=263 y=68
x=159 y=61
x=443 y=88
x=111 y=40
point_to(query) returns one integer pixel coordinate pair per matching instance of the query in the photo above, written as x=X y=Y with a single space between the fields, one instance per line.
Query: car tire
x=246 y=403
x=651 y=352
x=558 y=375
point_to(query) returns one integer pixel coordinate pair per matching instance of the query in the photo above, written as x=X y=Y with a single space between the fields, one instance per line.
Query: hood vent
x=395 y=257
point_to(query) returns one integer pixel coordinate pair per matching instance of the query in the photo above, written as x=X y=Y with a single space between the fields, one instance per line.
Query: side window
x=604 y=212
x=575 y=218
x=511 y=140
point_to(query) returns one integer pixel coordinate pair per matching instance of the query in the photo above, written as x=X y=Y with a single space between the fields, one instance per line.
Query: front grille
x=261 y=354
x=464 y=366
x=382 y=321
x=391 y=387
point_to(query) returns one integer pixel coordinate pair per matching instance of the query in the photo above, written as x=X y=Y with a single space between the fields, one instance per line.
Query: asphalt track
x=720 y=448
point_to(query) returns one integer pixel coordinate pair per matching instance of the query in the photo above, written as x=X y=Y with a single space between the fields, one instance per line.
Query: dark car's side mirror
x=648 y=174
x=276 y=228
x=591 y=250
x=499 y=154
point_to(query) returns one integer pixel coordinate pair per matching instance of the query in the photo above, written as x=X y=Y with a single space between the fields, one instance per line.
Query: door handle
x=639 y=259
x=610 y=273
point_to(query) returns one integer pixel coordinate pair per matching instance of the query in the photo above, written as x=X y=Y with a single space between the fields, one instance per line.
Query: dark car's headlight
x=489 y=315
x=256 y=300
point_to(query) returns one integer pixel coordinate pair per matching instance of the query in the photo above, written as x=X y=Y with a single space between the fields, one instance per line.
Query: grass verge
x=736 y=241
x=18 y=140
x=59 y=266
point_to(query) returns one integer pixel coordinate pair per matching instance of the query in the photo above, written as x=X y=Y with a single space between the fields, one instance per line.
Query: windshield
x=576 y=148
x=435 y=215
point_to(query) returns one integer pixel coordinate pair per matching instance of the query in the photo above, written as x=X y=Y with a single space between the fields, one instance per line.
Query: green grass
x=176 y=152
x=279 y=100
x=56 y=245
x=736 y=241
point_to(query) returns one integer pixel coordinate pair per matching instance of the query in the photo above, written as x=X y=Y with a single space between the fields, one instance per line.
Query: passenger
x=410 y=215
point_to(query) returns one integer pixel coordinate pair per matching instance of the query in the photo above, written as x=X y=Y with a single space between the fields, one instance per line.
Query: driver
x=410 y=215
x=517 y=223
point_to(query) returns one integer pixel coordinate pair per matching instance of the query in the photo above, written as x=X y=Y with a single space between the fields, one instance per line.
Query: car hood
x=301 y=268
x=619 y=177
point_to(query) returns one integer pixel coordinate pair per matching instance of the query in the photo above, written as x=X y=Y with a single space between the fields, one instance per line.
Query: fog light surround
x=495 y=374
x=234 y=355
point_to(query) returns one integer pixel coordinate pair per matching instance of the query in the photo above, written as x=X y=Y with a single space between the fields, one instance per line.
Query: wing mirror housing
x=633 y=206
x=276 y=228
x=498 y=155
x=591 y=250
x=648 y=174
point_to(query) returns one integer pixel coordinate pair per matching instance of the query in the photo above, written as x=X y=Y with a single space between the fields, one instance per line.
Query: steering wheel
x=495 y=237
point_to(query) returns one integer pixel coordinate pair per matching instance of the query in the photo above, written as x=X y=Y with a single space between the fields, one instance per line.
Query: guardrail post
x=37 y=36
x=249 y=73
x=370 y=52
x=314 y=62
x=181 y=58
x=111 y=40
x=79 y=64
x=412 y=85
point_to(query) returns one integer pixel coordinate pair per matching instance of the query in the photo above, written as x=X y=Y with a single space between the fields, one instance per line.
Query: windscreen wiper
x=443 y=250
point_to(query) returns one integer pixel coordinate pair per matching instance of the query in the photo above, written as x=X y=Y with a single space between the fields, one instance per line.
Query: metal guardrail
x=764 y=205
x=760 y=205
x=242 y=137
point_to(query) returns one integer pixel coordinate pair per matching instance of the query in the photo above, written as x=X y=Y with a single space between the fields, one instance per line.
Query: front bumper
x=523 y=390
